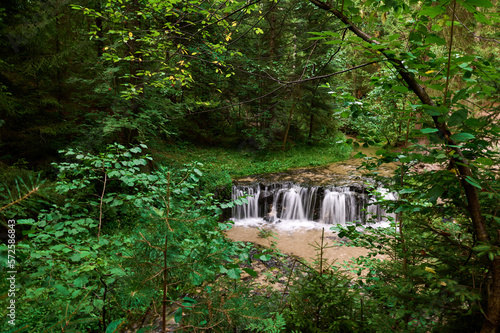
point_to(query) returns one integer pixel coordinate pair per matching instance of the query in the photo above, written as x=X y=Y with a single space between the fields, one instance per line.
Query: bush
x=116 y=241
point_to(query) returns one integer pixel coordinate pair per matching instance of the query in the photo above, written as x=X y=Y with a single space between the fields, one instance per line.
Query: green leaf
x=189 y=300
x=265 y=257
x=458 y=117
x=438 y=87
x=250 y=272
x=135 y=150
x=98 y=303
x=435 y=192
x=479 y=3
x=434 y=110
x=432 y=12
x=158 y=212
x=433 y=39
x=114 y=326
x=473 y=182
x=407 y=190
x=393 y=37
x=62 y=289
x=334 y=42
x=401 y=89
x=465 y=66
x=428 y=130
x=482 y=248
x=234 y=273
x=485 y=161
x=178 y=315
x=462 y=136
x=481 y=18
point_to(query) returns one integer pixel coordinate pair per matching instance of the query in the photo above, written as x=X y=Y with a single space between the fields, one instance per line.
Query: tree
x=447 y=113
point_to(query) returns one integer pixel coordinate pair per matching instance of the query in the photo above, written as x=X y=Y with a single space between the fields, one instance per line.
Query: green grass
x=240 y=163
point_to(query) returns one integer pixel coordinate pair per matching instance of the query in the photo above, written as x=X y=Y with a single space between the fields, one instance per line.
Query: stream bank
x=296 y=239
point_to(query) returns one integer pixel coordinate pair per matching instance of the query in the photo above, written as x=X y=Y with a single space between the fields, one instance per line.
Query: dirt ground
x=298 y=242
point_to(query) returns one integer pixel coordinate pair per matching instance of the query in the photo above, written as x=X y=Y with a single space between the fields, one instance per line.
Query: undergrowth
x=239 y=163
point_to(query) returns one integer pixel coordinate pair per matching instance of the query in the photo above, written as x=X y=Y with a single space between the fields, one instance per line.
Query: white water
x=250 y=210
x=290 y=206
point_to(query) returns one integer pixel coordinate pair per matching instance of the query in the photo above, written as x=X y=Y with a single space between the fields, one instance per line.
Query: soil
x=299 y=242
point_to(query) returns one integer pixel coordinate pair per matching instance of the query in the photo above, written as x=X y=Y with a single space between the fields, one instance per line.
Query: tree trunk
x=492 y=313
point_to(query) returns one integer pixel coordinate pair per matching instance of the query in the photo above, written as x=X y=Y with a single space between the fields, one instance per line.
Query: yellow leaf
x=429 y=72
x=442 y=283
x=228 y=37
x=130 y=34
x=430 y=270
x=234 y=24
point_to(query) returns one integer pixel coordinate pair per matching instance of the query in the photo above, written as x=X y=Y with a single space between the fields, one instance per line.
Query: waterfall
x=249 y=210
x=292 y=207
x=291 y=202
x=336 y=207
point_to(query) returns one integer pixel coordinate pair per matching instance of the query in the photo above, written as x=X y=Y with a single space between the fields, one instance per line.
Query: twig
x=449 y=56
x=287 y=285
x=473 y=34
x=331 y=74
x=165 y=267
x=100 y=205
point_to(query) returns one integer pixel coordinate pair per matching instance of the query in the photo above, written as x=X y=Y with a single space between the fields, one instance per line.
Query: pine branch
x=24 y=197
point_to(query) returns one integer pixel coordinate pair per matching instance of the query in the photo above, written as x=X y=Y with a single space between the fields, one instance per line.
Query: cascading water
x=292 y=208
x=249 y=210
x=291 y=202
x=336 y=207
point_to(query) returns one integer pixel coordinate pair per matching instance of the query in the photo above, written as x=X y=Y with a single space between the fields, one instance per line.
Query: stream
x=296 y=205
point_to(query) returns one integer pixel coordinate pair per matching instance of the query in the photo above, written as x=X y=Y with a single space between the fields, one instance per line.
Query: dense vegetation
x=123 y=123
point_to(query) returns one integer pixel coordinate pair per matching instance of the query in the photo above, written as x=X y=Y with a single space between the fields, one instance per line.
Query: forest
x=124 y=123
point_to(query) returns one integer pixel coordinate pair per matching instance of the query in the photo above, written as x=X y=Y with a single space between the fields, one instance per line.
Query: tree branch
x=474 y=207
x=327 y=75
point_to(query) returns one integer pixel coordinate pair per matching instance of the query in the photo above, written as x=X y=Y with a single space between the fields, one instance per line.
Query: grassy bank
x=239 y=163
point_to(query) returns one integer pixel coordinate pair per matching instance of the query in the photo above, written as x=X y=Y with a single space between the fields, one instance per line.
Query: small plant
x=321 y=298
x=265 y=233
x=275 y=324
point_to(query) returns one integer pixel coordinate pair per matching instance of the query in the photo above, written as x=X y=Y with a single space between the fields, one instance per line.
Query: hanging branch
x=445 y=97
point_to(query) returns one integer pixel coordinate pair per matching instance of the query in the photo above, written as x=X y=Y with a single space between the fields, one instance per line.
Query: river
x=296 y=237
